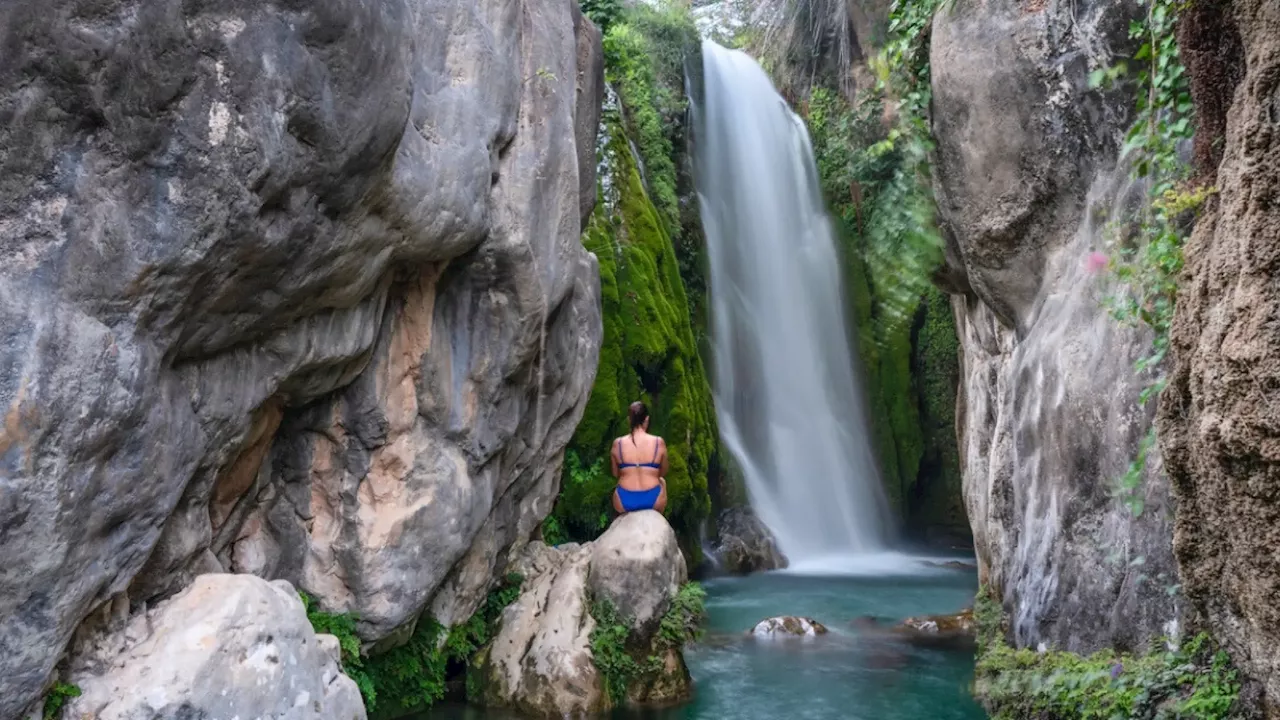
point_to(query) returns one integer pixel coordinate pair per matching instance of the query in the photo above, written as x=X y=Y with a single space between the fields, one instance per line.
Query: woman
x=640 y=464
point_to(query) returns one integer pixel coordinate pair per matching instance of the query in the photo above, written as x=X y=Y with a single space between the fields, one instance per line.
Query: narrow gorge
x=319 y=322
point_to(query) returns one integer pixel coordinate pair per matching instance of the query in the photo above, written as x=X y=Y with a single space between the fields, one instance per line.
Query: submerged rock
x=228 y=646
x=744 y=544
x=788 y=626
x=541 y=660
x=956 y=631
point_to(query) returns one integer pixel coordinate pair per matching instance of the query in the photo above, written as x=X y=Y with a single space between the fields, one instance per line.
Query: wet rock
x=956 y=631
x=1027 y=177
x=1218 y=417
x=787 y=626
x=540 y=661
x=951 y=565
x=248 y=246
x=744 y=545
x=228 y=646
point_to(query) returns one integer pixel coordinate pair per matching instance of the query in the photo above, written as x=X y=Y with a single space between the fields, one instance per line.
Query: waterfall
x=787 y=397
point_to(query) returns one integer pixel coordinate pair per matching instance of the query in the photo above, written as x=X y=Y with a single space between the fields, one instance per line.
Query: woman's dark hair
x=638 y=414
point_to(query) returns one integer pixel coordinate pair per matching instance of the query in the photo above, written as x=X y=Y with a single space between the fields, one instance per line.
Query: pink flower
x=1095 y=262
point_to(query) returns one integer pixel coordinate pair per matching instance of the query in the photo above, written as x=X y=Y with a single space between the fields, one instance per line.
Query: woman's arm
x=613 y=459
x=662 y=471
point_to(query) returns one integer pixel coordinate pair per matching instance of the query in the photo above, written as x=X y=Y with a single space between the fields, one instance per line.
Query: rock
x=637 y=565
x=295 y=291
x=958 y=631
x=227 y=646
x=744 y=544
x=951 y=565
x=1026 y=177
x=788 y=626
x=540 y=661
x=1217 y=418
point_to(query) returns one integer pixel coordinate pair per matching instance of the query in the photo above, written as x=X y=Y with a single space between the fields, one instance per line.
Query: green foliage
x=649 y=352
x=413 y=676
x=58 y=696
x=1146 y=249
x=618 y=657
x=604 y=13
x=1192 y=681
x=343 y=627
x=609 y=641
x=683 y=621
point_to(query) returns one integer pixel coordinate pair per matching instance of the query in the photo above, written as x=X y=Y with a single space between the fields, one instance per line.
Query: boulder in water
x=619 y=588
x=957 y=631
x=788 y=626
x=228 y=646
x=744 y=544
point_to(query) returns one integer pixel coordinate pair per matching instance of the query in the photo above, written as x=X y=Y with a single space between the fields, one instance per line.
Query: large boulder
x=542 y=661
x=744 y=544
x=293 y=289
x=638 y=567
x=228 y=646
x=1027 y=178
x=1220 y=416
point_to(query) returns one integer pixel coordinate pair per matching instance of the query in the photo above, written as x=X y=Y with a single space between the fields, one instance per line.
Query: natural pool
x=846 y=675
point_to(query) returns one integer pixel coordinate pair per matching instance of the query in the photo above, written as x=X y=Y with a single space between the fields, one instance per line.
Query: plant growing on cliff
x=343 y=627
x=1147 y=249
x=1193 y=680
x=413 y=676
x=58 y=696
x=612 y=647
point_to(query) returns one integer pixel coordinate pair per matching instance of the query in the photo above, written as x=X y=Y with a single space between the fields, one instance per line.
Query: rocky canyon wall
x=290 y=289
x=1027 y=174
x=1219 y=422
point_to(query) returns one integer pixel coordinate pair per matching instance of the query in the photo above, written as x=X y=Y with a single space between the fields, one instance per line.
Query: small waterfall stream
x=788 y=401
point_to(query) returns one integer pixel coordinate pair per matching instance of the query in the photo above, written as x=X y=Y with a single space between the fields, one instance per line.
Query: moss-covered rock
x=649 y=353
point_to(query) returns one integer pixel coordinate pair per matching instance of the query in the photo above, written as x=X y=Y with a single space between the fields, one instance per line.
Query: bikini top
x=651 y=464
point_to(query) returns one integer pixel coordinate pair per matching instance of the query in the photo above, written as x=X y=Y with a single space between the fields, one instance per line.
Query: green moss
x=648 y=352
x=1193 y=681
x=622 y=661
x=413 y=676
x=938 y=499
x=58 y=696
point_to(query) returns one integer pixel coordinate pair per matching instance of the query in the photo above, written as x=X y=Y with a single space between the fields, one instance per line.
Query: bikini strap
x=656 y=447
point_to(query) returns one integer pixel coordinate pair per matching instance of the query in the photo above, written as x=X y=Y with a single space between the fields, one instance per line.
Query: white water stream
x=789 y=402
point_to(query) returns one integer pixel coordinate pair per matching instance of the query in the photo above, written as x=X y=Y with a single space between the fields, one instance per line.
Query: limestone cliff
x=288 y=289
x=1026 y=175
x=1218 y=417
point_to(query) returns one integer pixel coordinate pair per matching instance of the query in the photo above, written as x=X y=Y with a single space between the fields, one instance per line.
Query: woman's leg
x=617 y=502
x=661 y=504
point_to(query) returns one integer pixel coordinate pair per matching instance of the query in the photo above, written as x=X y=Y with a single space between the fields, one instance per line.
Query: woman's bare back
x=639 y=460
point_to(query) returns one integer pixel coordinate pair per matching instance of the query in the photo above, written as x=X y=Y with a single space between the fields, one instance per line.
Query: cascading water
x=788 y=401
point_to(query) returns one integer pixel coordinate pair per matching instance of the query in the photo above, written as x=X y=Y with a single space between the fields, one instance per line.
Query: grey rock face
x=744 y=545
x=1027 y=177
x=227 y=646
x=282 y=287
x=540 y=662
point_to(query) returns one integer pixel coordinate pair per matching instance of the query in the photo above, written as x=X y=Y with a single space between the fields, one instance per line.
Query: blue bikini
x=633 y=500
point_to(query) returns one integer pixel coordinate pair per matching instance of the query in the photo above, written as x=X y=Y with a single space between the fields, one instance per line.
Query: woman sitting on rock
x=640 y=464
